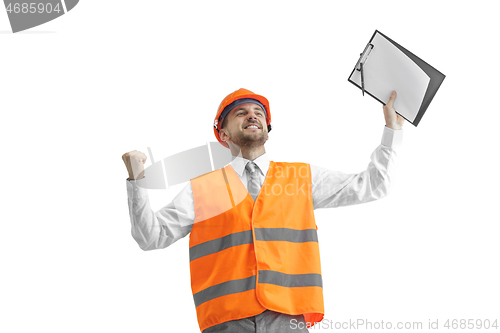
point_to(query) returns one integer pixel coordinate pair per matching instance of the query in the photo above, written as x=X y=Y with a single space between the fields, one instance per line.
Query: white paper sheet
x=388 y=69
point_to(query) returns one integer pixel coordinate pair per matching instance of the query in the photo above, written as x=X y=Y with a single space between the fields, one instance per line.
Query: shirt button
x=135 y=188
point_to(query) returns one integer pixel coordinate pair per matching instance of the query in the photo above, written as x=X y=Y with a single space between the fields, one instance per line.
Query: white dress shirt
x=157 y=230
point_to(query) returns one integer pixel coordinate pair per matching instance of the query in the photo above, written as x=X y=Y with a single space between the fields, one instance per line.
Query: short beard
x=248 y=142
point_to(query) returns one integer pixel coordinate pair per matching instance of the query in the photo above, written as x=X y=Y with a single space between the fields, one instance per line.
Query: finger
x=126 y=157
x=391 y=99
x=139 y=158
x=401 y=120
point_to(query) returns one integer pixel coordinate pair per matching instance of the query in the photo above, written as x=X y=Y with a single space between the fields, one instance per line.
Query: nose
x=252 y=115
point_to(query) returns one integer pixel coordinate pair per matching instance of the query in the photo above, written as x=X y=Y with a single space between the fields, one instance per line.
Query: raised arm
x=334 y=188
x=156 y=230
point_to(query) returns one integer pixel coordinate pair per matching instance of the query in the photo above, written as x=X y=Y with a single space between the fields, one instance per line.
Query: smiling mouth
x=252 y=127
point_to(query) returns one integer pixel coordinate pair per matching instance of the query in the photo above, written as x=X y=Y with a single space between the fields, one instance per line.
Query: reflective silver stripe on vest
x=286 y=234
x=219 y=244
x=225 y=288
x=291 y=280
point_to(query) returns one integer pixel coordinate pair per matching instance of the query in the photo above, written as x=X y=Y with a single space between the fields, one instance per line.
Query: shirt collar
x=239 y=163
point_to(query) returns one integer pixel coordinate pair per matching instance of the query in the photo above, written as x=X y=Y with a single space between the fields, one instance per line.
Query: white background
x=113 y=76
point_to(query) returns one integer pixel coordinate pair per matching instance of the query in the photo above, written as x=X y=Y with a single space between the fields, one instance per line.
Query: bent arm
x=335 y=189
x=157 y=230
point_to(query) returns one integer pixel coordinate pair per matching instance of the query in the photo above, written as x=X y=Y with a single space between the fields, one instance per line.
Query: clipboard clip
x=363 y=57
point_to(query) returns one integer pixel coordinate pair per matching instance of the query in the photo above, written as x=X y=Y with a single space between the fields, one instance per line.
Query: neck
x=248 y=153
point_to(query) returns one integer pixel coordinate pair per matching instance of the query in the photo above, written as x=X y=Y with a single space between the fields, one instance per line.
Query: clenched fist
x=134 y=161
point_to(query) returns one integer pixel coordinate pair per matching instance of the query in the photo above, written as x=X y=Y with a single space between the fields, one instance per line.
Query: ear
x=224 y=136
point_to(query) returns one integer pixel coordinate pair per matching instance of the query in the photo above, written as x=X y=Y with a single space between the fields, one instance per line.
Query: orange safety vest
x=246 y=256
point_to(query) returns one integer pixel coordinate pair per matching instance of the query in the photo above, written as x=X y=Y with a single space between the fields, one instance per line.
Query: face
x=245 y=126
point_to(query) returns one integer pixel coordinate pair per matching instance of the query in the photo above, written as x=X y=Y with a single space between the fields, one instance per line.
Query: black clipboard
x=359 y=78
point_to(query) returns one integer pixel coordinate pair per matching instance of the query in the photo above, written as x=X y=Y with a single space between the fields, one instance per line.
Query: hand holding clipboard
x=385 y=66
x=392 y=119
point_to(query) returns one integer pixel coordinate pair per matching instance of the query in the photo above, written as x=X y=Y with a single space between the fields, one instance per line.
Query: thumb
x=391 y=99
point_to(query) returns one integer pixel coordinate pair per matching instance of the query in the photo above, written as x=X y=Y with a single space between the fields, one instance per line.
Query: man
x=254 y=254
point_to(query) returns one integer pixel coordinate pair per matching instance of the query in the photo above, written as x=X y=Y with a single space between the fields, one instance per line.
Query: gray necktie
x=253 y=179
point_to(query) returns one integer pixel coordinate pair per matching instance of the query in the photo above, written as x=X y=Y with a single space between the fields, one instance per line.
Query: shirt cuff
x=137 y=188
x=392 y=138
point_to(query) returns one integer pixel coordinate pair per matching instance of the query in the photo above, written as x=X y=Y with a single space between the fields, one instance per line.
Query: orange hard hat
x=232 y=97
